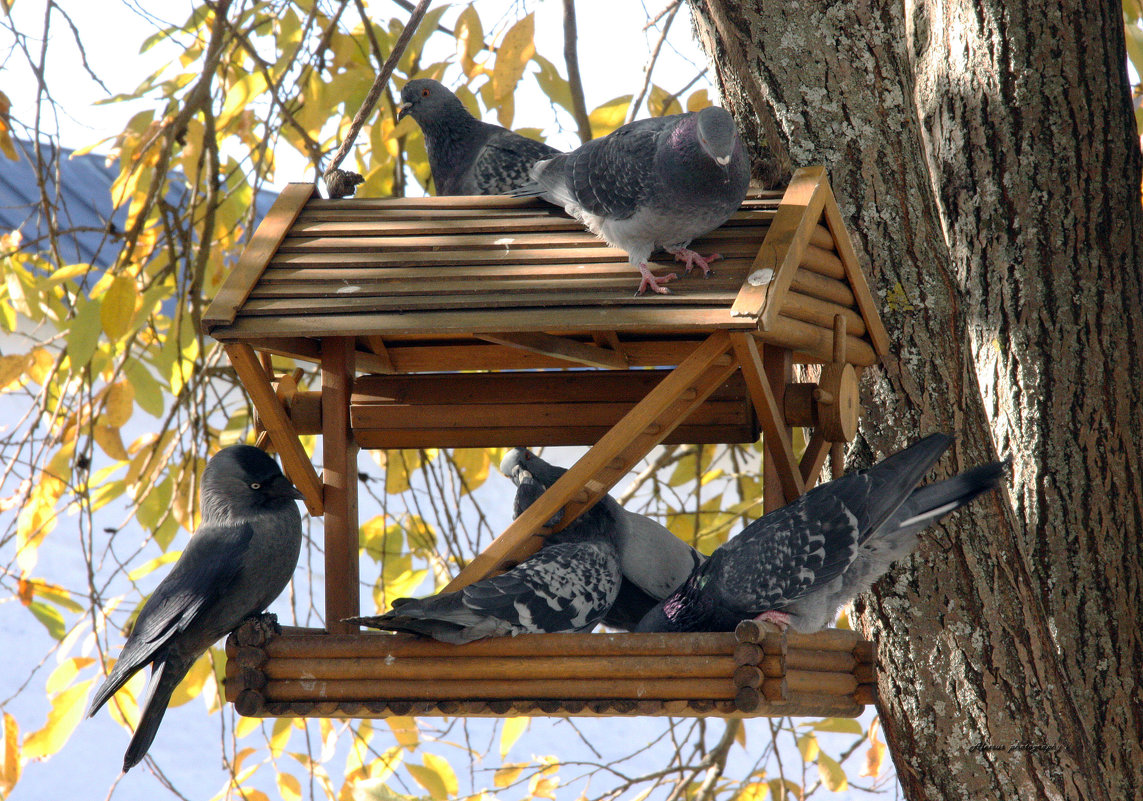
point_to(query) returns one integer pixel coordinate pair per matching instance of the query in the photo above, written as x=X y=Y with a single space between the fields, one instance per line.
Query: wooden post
x=339 y=491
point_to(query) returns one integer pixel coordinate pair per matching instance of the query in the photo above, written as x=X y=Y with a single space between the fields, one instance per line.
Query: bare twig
x=667 y=9
x=379 y=85
x=638 y=100
x=575 y=84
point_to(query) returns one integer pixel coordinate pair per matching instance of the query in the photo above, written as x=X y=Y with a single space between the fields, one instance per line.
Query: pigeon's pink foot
x=779 y=619
x=692 y=258
x=649 y=280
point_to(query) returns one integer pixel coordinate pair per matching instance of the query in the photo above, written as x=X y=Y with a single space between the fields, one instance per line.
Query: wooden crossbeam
x=814 y=458
x=770 y=416
x=295 y=461
x=612 y=457
x=561 y=348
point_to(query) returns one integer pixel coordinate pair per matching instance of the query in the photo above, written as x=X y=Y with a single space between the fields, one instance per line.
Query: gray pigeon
x=654 y=183
x=654 y=562
x=568 y=585
x=798 y=564
x=238 y=561
x=467 y=156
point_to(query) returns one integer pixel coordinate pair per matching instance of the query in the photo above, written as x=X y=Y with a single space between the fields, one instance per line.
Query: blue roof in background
x=84 y=201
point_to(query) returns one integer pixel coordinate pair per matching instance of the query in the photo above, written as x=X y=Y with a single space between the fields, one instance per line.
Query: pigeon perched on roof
x=467 y=156
x=654 y=183
x=238 y=561
x=654 y=562
x=797 y=565
x=567 y=585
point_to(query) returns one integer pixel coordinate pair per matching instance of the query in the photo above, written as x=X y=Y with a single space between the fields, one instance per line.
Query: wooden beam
x=774 y=430
x=779 y=372
x=790 y=233
x=384 y=361
x=339 y=476
x=268 y=236
x=814 y=458
x=295 y=461
x=608 y=460
x=561 y=348
x=857 y=282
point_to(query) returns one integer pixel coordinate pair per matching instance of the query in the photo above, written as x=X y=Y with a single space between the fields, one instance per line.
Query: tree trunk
x=986 y=159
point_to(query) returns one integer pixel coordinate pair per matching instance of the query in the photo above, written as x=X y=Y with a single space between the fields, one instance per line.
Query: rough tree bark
x=986 y=159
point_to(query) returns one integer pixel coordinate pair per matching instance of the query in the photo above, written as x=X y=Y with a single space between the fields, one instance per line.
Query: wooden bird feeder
x=494 y=321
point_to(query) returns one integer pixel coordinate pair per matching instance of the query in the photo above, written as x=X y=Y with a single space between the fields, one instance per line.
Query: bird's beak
x=403 y=110
x=282 y=488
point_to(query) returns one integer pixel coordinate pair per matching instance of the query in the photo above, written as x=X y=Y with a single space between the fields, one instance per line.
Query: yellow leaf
x=662 y=103
x=507 y=774
x=606 y=118
x=512 y=56
x=428 y=778
x=289 y=788
x=191 y=685
x=510 y=733
x=442 y=768
x=543 y=786
x=118 y=404
x=246 y=726
x=405 y=731
x=65 y=673
x=41 y=366
x=472 y=464
x=833 y=776
x=399 y=468
x=12 y=367
x=280 y=736
x=11 y=771
x=838 y=725
x=109 y=440
x=875 y=756
x=469 y=40
x=698 y=100
x=755 y=791
x=242 y=92
x=150 y=565
x=117 y=306
x=64 y=716
x=808 y=745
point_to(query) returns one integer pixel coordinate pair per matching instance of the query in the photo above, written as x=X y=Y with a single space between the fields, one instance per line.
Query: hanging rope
x=340 y=183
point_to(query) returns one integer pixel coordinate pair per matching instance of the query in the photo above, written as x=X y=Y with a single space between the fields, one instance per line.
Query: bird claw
x=649 y=280
x=692 y=258
x=779 y=619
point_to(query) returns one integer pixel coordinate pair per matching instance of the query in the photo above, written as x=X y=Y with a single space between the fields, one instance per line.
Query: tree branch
x=575 y=83
x=633 y=109
x=378 y=85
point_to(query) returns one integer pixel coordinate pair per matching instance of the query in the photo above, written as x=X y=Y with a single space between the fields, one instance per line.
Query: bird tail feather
x=165 y=677
x=928 y=504
x=118 y=676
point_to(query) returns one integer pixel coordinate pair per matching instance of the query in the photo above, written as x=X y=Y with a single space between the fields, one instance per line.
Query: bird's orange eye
x=424 y=93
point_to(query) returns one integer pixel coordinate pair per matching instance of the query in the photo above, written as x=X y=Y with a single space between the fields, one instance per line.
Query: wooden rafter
x=561 y=348
x=295 y=462
x=608 y=460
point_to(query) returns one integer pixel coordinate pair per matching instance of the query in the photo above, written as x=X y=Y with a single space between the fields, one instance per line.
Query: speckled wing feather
x=505 y=161
x=608 y=177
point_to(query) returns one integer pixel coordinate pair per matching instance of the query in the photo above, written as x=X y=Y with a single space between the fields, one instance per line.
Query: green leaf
x=51 y=618
x=148 y=393
x=83 y=333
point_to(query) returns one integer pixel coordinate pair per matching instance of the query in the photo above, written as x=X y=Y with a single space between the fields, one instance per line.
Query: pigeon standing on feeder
x=654 y=183
x=467 y=156
x=654 y=562
x=568 y=585
x=238 y=561
x=797 y=565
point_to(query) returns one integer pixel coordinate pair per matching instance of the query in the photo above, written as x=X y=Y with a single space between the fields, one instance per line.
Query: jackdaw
x=238 y=561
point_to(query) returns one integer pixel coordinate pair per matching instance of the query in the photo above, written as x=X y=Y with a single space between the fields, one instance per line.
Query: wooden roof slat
x=688 y=433
x=458 y=259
